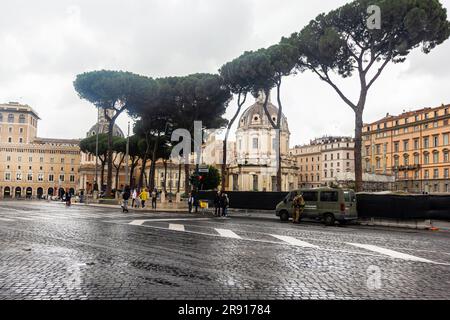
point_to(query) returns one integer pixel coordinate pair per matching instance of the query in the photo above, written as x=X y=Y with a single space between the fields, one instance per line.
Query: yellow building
x=414 y=147
x=30 y=166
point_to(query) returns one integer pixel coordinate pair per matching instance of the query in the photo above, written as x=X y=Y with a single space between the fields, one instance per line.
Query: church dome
x=254 y=117
x=103 y=128
x=103 y=125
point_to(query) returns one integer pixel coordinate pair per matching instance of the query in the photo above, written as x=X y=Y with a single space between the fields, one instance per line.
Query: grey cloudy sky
x=45 y=44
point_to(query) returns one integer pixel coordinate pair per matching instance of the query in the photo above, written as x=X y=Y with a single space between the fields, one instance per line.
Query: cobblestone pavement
x=48 y=251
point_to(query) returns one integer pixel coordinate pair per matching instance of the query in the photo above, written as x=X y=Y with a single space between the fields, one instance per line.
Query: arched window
x=10 y=118
x=22 y=118
x=1 y=117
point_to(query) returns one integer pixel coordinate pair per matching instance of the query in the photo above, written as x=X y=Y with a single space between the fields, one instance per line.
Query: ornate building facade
x=413 y=147
x=33 y=167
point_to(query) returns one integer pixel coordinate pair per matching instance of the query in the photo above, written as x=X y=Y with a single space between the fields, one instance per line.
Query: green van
x=326 y=204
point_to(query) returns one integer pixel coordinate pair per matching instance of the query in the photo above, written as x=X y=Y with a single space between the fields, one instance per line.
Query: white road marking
x=227 y=233
x=295 y=242
x=6 y=219
x=23 y=218
x=176 y=227
x=390 y=253
x=137 y=222
x=141 y=222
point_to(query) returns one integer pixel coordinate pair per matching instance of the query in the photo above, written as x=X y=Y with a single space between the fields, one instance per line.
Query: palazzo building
x=413 y=147
x=33 y=167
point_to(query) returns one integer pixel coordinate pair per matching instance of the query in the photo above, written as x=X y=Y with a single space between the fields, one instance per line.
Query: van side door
x=311 y=199
x=329 y=202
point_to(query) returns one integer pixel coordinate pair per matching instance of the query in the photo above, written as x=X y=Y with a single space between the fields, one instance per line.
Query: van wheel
x=284 y=216
x=329 y=219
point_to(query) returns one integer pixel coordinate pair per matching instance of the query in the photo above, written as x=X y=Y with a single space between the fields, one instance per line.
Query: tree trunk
x=109 y=176
x=358 y=146
x=165 y=177
x=132 y=168
x=279 y=173
x=141 y=175
x=187 y=186
x=225 y=141
x=102 y=178
x=179 y=178
x=153 y=165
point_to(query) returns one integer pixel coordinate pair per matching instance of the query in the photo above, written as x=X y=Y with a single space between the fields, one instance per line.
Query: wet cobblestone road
x=48 y=251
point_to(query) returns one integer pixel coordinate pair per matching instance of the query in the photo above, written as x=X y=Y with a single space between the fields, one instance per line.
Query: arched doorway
x=40 y=192
x=29 y=193
x=72 y=191
x=7 y=192
x=18 y=192
x=50 y=192
x=61 y=193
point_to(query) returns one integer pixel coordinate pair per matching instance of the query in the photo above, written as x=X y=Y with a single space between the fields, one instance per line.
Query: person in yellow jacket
x=299 y=206
x=144 y=197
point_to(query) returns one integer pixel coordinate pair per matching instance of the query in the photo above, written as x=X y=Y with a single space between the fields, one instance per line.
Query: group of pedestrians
x=139 y=198
x=221 y=204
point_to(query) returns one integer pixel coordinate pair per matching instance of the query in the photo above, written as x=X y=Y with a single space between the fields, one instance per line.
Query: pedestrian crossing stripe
x=176 y=227
x=227 y=233
x=295 y=242
x=391 y=253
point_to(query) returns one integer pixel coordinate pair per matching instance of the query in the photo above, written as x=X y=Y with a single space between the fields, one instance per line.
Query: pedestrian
x=299 y=206
x=196 y=204
x=68 y=199
x=191 y=201
x=144 y=197
x=125 y=197
x=154 y=198
x=134 y=200
x=217 y=204
x=224 y=202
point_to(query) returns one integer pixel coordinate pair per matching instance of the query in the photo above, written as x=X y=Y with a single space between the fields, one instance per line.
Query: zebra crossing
x=211 y=227
x=8 y=214
x=176 y=225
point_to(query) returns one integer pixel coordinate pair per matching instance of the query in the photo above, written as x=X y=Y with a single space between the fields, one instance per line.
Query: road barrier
x=370 y=205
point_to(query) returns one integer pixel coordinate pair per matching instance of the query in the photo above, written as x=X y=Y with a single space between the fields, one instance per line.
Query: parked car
x=326 y=204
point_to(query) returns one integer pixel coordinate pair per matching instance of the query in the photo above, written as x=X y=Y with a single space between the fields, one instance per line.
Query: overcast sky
x=45 y=44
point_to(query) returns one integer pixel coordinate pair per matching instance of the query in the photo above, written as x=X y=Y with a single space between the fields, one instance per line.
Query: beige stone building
x=323 y=160
x=30 y=166
x=413 y=147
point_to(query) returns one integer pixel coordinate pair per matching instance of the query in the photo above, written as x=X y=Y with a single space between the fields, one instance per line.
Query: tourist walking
x=125 y=197
x=224 y=202
x=299 y=206
x=191 y=201
x=144 y=197
x=154 y=198
x=134 y=201
x=217 y=204
x=68 y=199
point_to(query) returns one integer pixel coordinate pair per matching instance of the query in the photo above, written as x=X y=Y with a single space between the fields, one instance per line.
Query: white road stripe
x=391 y=253
x=137 y=222
x=228 y=233
x=6 y=219
x=176 y=227
x=23 y=218
x=295 y=242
